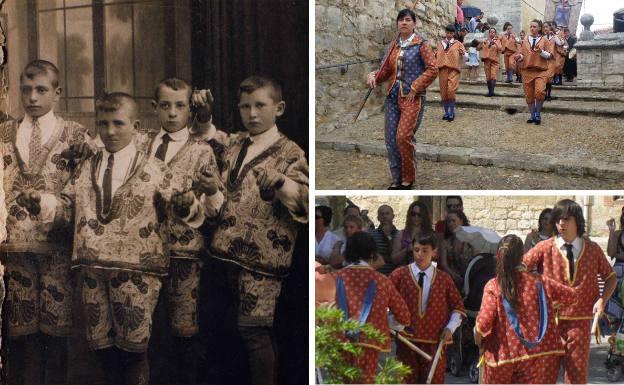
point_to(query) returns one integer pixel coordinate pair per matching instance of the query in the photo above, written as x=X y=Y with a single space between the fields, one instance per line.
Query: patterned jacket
x=25 y=232
x=501 y=344
x=547 y=258
x=444 y=299
x=133 y=236
x=254 y=233
x=450 y=58
x=418 y=72
x=356 y=280
x=195 y=155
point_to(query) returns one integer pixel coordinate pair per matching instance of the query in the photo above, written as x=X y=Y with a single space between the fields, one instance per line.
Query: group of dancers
x=411 y=65
x=535 y=316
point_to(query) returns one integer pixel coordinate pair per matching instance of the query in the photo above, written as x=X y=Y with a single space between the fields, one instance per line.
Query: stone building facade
x=600 y=61
x=350 y=31
x=518 y=12
x=504 y=214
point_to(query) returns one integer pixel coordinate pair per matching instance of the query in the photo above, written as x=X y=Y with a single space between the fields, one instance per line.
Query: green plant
x=332 y=350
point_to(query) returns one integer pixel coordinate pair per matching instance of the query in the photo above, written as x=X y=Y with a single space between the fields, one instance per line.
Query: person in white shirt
x=325 y=239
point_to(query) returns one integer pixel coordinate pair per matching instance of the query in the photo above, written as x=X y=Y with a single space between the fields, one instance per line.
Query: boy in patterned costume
x=116 y=204
x=356 y=278
x=266 y=200
x=39 y=298
x=530 y=353
x=448 y=54
x=436 y=307
x=187 y=155
x=571 y=259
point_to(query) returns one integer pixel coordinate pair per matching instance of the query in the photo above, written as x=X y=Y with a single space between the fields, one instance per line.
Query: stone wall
x=504 y=214
x=600 y=61
x=360 y=30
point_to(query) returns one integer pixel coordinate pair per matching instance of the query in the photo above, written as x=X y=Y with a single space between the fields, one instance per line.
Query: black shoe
x=451 y=118
x=408 y=187
x=548 y=98
x=391 y=187
x=538 y=122
x=445 y=117
x=531 y=120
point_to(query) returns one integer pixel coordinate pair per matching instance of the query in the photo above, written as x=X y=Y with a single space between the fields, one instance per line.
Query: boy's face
x=423 y=254
x=173 y=108
x=116 y=128
x=566 y=227
x=259 y=111
x=449 y=35
x=351 y=228
x=38 y=94
x=492 y=34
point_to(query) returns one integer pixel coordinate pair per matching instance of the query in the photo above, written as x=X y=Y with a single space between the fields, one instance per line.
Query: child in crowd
x=473 y=60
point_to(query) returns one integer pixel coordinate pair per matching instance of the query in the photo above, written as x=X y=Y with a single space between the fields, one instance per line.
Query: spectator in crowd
x=615 y=248
x=544 y=230
x=418 y=223
x=453 y=202
x=569 y=67
x=384 y=236
x=351 y=209
x=325 y=239
x=474 y=22
x=352 y=224
x=459 y=19
x=453 y=253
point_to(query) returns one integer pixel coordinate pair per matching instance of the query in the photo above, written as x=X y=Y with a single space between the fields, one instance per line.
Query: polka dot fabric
x=356 y=280
x=548 y=260
x=402 y=117
x=501 y=344
x=574 y=320
x=443 y=300
x=541 y=370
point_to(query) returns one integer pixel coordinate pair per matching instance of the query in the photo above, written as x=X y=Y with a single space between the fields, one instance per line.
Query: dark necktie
x=570 y=257
x=533 y=43
x=161 y=151
x=448 y=45
x=239 y=160
x=34 y=147
x=108 y=184
x=421 y=279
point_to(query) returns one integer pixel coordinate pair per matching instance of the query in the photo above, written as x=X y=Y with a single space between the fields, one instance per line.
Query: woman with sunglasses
x=411 y=68
x=454 y=254
x=545 y=230
x=418 y=223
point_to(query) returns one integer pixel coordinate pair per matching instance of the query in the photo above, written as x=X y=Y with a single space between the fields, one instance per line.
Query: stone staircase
x=569 y=99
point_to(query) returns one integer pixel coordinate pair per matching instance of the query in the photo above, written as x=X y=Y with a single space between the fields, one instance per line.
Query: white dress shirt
x=122 y=166
x=456 y=318
x=261 y=142
x=47 y=123
x=577 y=246
x=324 y=248
x=178 y=139
x=533 y=41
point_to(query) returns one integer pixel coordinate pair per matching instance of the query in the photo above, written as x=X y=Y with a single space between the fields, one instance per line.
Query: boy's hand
x=200 y=98
x=31 y=201
x=447 y=335
x=182 y=202
x=267 y=179
x=207 y=183
x=77 y=152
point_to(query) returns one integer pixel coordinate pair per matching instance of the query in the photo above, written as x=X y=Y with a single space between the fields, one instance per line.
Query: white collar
x=428 y=271
x=125 y=153
x=576 y=243
x=178 y=136
x=268 y=136
x=360 y=263
x=45 y=120
x=405 y=43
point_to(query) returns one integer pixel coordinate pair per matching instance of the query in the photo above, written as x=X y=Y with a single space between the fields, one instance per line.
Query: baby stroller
x=464 y=353
x=615 y=316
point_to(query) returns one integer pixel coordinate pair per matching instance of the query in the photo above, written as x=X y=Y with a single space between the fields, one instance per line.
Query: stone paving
x=344 y=170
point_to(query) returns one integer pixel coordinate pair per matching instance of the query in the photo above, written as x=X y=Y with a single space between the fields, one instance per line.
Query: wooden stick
x=594 y=329
x=435 y=360
x=410 y=345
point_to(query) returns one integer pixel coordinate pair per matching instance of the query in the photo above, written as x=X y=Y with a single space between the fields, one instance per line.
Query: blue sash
x=354 y=335
x=513 y=318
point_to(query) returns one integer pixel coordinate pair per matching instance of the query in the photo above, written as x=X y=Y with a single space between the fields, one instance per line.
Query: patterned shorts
x=182 y=291
x=119 y=307
x=39 y=297
x=257 y=295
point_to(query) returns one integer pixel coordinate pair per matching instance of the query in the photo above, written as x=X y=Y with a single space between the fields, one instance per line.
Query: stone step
x=517 y=104
x=565 y=86
x=561 y=95
x=490 y=157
